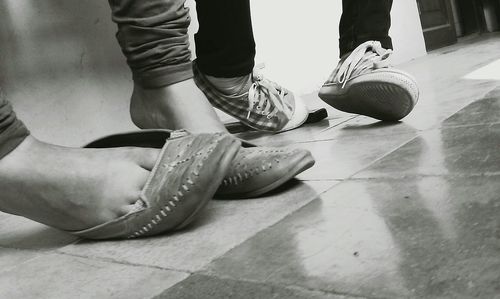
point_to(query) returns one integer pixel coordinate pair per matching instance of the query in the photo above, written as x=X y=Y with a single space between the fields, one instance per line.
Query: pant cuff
x=348 y=44
x=164 y=76
x=235 y=70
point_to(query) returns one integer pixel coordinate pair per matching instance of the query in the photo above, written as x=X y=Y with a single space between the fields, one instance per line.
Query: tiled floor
x=389 y=211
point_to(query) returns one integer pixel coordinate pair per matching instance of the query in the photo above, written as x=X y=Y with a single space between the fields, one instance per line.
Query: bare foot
x=72 y=188
x=178 y=106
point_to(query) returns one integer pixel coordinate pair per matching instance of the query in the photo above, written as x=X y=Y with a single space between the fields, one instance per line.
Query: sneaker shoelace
x=266 y=97
x=366 y=57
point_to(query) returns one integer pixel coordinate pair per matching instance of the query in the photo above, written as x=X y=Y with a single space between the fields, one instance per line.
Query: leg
x=153 y=37
x=67 y=188
x=363 y=21
x=363 y=81
x=225 y=50
x=225 y=45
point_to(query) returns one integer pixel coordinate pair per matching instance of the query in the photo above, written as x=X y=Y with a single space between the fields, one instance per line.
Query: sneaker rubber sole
x=387 y=95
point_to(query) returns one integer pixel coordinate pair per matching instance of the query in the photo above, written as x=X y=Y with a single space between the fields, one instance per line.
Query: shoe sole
x=387 y=96
x=302 y=163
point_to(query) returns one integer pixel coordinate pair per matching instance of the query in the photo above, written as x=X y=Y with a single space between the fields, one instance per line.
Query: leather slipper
x=185 y=177
x=258 y=170
x=254 y=171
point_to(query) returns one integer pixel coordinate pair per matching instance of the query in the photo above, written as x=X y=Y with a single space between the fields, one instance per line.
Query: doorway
x=445 y=20
x=476 y=16
x=438 y=24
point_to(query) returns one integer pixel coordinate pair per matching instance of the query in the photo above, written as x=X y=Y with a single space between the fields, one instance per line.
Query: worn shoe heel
x=185 y=177
x=364 y=82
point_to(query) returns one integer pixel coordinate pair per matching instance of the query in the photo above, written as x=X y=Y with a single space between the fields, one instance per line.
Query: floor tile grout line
x=119 y=262
x=27 y=249
x=39 y=250
x=43 y=251
x=287 y=286
x=469 y=125
x=353 y=137
x=78 y=240
x=448 y=175
x=319 y=180
x=384 y=156
x=305 y=203
x=37 y=256
x=340 y=123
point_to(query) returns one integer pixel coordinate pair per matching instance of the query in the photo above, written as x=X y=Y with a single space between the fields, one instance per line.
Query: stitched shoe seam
x=251 y=173
x=232 y=180
x=166 y=209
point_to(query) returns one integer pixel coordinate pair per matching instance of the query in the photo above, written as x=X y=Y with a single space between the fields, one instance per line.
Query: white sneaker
x=364 y=83
x=261 y=104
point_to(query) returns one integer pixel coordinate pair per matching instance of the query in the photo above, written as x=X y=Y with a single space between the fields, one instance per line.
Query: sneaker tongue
x=367 y=62
x=231 y=86
x=363 y=59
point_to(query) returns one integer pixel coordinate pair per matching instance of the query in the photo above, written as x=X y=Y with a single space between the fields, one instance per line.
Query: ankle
x=137 y=110
x=29 y=144
x=178 y=106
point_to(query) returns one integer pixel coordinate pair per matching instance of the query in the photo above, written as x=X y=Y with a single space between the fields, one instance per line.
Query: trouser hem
x=236 y=70
x=348 y=44
x=164 y=76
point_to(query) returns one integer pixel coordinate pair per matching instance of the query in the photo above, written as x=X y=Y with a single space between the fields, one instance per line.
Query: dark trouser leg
x=12 y=130
x=153 y=35
x=364 y=20
x=225 y=46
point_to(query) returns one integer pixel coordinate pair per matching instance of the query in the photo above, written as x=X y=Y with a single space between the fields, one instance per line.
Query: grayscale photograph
x=253 y=149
